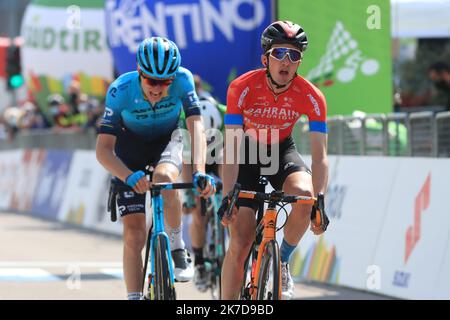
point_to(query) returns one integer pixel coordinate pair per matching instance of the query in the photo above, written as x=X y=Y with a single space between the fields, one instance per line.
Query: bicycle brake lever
x=318 y=215
x=234 y=196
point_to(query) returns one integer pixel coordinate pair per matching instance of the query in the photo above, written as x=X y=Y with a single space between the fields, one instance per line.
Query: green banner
x=349 y=51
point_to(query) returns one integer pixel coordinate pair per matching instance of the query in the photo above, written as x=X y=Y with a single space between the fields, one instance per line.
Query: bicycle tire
x=270 y=259
x=163 y=289
x=216 y=272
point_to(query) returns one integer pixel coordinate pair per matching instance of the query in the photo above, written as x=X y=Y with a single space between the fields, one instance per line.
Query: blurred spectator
x=32 y=118
x=61 y=112
x=201 y=92
x=416 y=88
x=439 y=74
x=397 y=99
x=73 y=92
x=5 y=129
x=12 y=118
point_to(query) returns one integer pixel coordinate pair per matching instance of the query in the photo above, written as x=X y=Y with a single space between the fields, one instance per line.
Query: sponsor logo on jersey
x=108 y=112
x=256 y=125
x=242 y=97
x=128 y=194
x=314 y=103
x=113 y=91
x=272 y=113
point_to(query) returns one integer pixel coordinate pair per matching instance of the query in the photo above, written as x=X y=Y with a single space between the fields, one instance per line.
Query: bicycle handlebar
x=317 y=214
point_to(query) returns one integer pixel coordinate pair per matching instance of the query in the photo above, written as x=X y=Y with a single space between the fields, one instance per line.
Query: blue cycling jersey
x=126 y=106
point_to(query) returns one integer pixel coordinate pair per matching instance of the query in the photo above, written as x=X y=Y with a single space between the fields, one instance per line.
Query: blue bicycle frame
x=158 y=223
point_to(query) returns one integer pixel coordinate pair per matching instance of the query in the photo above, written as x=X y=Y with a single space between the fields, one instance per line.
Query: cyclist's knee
x=240 y=245
x=134 y=238
x=163 y=177
x=297 y=187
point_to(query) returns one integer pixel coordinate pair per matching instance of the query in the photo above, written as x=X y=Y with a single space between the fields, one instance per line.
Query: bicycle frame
x=267 y=226
x=158 y=225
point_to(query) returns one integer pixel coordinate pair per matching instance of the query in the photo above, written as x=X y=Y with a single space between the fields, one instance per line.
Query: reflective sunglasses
x=155 y=82
x=280 y=54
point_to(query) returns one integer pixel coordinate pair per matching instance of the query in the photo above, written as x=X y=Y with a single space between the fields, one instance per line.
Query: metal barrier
x=49 y=139
x=443 y=134
x=418 y=134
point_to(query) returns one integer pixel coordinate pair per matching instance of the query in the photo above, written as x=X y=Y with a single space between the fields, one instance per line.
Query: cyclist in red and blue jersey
x=139 y=129
x=261 y=103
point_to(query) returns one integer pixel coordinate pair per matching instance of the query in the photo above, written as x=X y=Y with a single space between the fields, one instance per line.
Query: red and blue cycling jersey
x=252 y=104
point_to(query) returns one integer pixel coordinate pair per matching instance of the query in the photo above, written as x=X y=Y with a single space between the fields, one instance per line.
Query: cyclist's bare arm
x=198 y=148
x=230 y=167
x=104 y=151
x=198 y=142
x=319 y=162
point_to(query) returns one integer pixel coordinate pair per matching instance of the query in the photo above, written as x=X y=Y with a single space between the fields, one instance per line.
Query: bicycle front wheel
x=269 y=278
x=164 y=289
x=218 y=255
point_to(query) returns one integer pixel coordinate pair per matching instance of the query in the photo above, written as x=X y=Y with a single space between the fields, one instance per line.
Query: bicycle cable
x=282 y=207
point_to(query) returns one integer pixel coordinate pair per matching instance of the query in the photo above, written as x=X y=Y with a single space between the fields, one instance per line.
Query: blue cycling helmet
x=158 y=57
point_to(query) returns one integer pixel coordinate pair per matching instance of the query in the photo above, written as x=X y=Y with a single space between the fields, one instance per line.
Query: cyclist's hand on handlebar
x=138 y=181
x=205 y=184
x=319 y=219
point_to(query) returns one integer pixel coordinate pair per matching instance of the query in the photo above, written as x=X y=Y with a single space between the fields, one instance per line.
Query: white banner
x=416 y=231
x=65 y=40
x=85 y=198
x=9 y=169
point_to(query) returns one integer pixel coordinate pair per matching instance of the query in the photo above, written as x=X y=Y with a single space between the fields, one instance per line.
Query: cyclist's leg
x=242 y=235
x=135 y=153
x=300 y=184
x=294 y=178
x=131 y=208
x=168 y=173
x=167 y=170
x=197 y=231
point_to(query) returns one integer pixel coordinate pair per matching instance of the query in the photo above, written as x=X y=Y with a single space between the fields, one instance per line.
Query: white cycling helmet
x=212 y=118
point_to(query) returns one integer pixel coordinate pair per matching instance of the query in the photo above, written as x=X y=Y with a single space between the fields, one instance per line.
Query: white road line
x=26 y=274
x=59 y=264
x=114 y=272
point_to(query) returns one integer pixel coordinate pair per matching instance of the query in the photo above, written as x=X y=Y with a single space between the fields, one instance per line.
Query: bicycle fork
x=269 y=230
x=158 y=229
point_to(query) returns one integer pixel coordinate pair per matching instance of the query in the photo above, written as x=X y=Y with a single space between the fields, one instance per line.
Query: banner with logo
x=349 y=51
x=65 y=41
x=52 y=184
x=10 y=166
x=218 y=40
x=413 y=248
x=24 y=183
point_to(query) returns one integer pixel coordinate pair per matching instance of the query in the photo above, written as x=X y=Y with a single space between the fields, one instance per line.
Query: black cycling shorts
x=137 y=153
x=289 y=161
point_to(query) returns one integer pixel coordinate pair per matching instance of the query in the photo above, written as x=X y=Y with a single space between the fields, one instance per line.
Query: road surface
x=48 y=260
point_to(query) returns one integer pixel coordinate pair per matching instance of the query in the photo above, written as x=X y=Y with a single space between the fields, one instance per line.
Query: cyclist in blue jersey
x=138 y=129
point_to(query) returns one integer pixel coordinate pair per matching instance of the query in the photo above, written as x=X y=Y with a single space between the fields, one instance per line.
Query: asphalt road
x=47 y=260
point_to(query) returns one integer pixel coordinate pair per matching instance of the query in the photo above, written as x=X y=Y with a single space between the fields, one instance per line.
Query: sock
x=198 y=256
x=176 y=237
x=286 y=251
x=134 y=296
